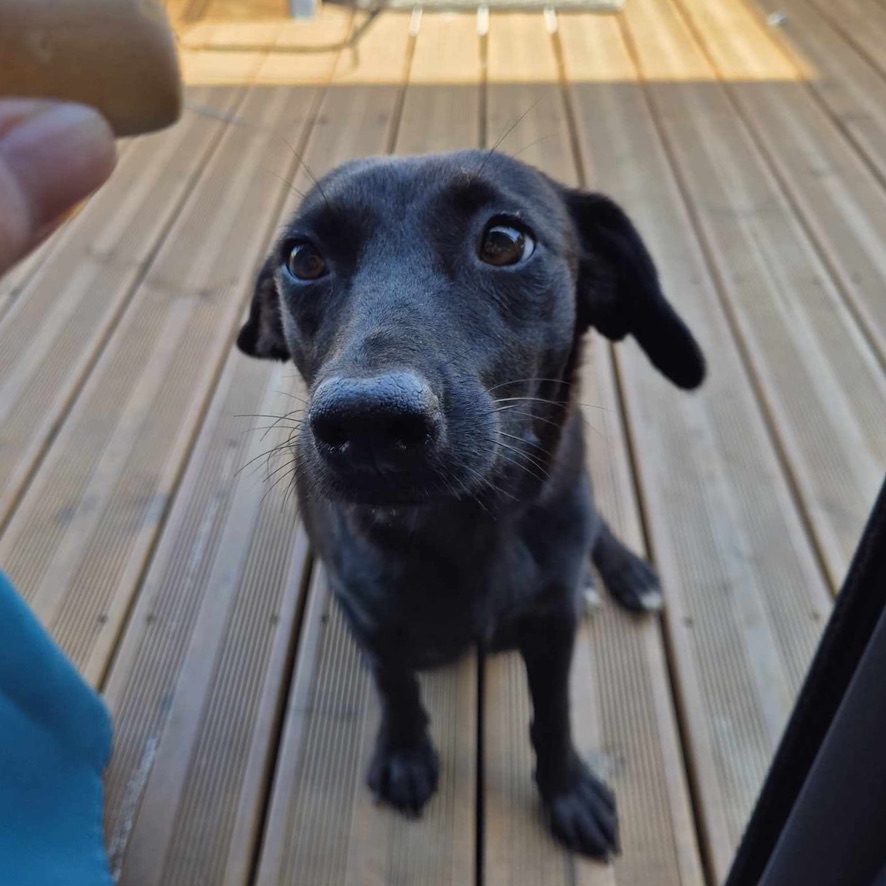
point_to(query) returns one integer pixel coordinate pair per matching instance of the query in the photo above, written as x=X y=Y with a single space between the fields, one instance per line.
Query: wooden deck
x=753 y=160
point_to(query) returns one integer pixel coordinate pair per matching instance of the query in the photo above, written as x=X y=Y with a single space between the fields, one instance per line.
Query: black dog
x=435 y=307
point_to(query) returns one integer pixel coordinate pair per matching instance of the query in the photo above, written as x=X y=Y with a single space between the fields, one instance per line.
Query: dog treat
x=118 y=56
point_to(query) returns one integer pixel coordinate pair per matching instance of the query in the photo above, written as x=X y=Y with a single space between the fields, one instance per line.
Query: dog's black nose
x=383 y=421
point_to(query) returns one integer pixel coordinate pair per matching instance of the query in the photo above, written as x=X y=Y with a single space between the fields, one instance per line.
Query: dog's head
x=434 y=306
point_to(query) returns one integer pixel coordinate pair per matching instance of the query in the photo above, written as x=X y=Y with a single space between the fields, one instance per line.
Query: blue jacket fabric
x=55 y=741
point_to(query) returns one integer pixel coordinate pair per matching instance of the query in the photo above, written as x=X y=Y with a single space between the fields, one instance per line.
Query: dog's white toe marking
x=591 y=599
x=652 y=601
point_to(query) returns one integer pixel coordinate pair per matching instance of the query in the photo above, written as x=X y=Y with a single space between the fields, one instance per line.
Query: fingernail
x=58 y=156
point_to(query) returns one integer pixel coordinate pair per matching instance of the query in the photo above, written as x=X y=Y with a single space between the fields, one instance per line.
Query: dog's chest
x=440 y=587
x=439 y=607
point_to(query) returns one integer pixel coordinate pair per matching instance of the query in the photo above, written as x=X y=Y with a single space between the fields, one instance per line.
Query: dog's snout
x=384 y=420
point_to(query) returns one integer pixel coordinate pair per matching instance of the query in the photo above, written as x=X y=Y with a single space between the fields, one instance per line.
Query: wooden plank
x=821 y=384
x=745 y=601
x=834 y=192
x=196 y=687
x=847 y=83
x=624 y=721
x=299 y=52
x=177 y=10
x=198 y=682
x=441 y=110
x=322 y=825
x=862 y=23
x=525 y=116
x=78 y=290
x=225 y=53
x=240 y=10
x=14 y=281
x=51 y=336
x=80 y=538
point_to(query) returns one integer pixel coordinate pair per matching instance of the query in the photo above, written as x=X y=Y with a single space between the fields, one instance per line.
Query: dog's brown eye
x=505 y=245
x=305 y=262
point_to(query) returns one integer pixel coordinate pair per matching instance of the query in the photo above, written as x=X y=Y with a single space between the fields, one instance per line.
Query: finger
x=52 y=155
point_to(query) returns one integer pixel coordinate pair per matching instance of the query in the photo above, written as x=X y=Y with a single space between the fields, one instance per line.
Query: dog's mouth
x=390 y=440
x=415 y=489
x=491 y=468
x=392 y=475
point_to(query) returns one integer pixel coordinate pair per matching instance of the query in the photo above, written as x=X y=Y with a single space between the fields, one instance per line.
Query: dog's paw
x=635 y=585
x=583 y=817
x=404 y=777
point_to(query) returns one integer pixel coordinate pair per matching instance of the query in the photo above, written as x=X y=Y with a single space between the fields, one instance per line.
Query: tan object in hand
x=119 y=56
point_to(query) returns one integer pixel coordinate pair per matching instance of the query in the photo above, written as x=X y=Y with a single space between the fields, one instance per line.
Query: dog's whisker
x=279 y=426
x=505 y=134
x=476 y=498
x=269 y=453
x=532 y=144
x=527 y=442
x=527 y=455
x=271 y=489
x=292 y=428
x=584 y=420
x=513 y=407
x=308 y=170
x=291 y=396
x=288 y=182
x=532 y=400
x=288 y=415
x=544 y=474
x=484 y=481
x=274 y=427
x=517 y=381
x=530 y=470
x=553 y=403
x=273 y=486
x=267 y=471
x=290 y=472
x=279 y=468
x=594 y=406
x=283 y=422
x=446 y=478
x=295 y=422
x=512 y=461
x=274 y=450
x=514 y=410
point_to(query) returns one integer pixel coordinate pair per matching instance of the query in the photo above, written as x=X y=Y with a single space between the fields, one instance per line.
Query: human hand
x=52 y=155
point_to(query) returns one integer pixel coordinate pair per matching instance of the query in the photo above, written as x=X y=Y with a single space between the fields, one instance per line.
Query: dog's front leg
x=405 y=766
x=580 y=807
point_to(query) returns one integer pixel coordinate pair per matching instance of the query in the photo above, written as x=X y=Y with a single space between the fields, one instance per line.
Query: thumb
x=52 y=155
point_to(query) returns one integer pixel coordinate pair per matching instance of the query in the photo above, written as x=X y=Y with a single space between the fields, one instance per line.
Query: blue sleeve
x=55 y=741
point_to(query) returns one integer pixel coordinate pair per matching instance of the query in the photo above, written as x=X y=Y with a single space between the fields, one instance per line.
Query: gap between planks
x=322 y=826
x=826 y=181
x=624 y=719
x=55 y=331
x=813 y=372
x=87 y=526
x=707 y=551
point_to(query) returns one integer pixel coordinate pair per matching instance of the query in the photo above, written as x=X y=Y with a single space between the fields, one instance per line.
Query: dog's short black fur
x=435 y=307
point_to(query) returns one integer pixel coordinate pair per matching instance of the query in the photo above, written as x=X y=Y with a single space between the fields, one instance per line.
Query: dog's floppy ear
x=619 y=291
x=262 y=334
